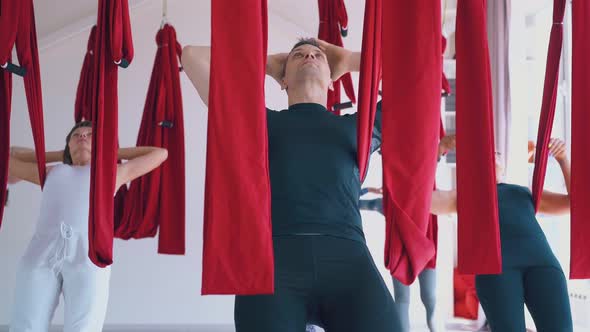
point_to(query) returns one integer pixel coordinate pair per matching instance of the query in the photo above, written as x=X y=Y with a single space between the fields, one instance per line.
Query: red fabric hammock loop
x=112 y=25
x=580 y=189
x=549 y=99
x=156 y=201
x=120 y=32
x=477 y=209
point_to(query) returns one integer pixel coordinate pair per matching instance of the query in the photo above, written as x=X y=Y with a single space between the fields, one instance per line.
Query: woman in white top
x=56 y=261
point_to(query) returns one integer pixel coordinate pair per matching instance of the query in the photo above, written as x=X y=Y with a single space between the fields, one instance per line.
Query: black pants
x=328 y=281
x=543 y=289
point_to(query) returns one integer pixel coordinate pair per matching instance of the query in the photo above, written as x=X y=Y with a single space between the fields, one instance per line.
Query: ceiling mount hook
x=164 y=13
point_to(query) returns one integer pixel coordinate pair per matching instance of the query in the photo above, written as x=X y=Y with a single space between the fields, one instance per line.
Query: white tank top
x=61 y=234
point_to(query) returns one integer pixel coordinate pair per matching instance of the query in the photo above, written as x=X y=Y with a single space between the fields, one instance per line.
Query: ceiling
x=55 y=15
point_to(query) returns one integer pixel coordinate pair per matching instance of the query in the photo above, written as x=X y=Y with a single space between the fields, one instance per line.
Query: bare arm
x=141 y=160
x=341 y=60
x=275 y=66
x=555 y=203
x=443 y=202
x=29 y=156
x=196 y=61
x=22 y=164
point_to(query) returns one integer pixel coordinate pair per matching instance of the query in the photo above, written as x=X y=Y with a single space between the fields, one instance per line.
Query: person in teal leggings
x=531 y=275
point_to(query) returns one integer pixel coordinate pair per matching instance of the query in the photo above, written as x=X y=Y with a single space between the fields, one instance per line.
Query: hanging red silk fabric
x=370 y=76
x=113 y=47
x=155 y=203
x=82 y=109
x=580 y=189
x=237 y=244
x=411 y=114
x=17 y=23
x=432 y=231
x=549 y=98
x=333 y=23
x=84 y=91
x=477 y=207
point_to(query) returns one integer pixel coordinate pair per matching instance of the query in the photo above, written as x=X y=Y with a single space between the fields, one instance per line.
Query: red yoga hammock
x=580 y=189
x=82 y=110
x=156 y=200
x=549 y=98
x=477 y=207
x=411 y=114
x=17 y=23
x=333 y=23
x=237 y=246
x=370 y=76
x=113 y=46
x=84 y=91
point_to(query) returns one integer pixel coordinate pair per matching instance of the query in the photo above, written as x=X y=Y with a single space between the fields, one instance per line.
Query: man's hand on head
x=340 y=59
x=275 y=66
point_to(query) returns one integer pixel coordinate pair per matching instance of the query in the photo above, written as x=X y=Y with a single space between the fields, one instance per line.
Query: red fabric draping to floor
x=156 y=201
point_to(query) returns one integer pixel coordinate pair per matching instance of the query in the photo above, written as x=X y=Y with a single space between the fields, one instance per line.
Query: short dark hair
x=67 y=156
x=306 y=41
x=301 y=42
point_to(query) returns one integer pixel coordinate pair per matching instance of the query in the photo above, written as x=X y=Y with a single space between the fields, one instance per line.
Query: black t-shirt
x=314 y=175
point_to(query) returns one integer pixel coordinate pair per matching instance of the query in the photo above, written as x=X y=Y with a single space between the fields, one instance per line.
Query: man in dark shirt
x=324 y=273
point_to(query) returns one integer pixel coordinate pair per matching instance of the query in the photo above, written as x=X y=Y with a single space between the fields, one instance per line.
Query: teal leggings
x=328 y=281
x=543 y=289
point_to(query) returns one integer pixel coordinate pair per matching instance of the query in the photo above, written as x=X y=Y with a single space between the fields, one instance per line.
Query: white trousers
x=85 y=289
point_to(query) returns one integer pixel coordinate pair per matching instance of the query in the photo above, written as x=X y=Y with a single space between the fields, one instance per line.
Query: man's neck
x=308 y=93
